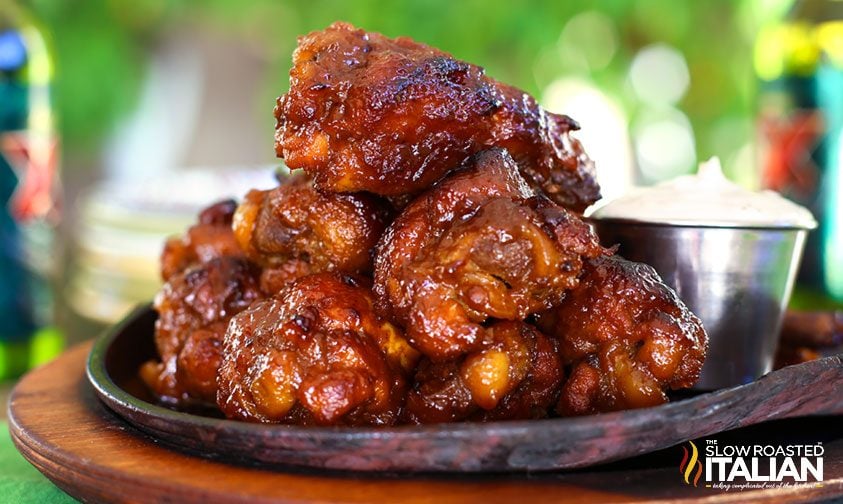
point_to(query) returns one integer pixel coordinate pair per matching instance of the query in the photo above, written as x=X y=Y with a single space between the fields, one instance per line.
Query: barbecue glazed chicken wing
x=316 y=353
x=391 y=116
x=210 y=238
x=294 y=230
x=516 y=374
x=479 y=245
x=627 y=337
x=194 y=308
x=490 y=300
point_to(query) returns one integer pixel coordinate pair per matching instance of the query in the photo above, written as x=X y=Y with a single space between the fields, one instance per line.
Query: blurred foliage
x=101 y=47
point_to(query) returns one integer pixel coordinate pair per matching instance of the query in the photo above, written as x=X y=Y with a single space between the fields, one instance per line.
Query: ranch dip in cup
x=730 y=253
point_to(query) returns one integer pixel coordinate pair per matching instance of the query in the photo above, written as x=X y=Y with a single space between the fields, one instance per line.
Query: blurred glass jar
x=799 y=62
x=29 y=195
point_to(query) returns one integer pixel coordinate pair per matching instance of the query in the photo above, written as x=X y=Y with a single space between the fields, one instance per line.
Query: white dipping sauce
x=706 y=199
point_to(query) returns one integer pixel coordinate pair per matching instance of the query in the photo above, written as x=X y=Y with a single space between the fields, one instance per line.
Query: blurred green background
x=104 y=48
x=162 y=103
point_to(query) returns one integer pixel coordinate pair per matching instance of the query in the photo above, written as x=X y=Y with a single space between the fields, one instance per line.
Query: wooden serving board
x=61 y=427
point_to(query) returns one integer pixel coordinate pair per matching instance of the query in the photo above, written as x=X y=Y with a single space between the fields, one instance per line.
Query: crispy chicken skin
x=517 y=374
x=294 y=230
x=194 y=308
x=392 y=116
x=210 y=238
x=479 y=245
x=627 y=338
x=316 y=353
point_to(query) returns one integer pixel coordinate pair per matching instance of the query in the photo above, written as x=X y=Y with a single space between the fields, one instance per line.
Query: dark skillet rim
x=641 y=420
x=113 y=395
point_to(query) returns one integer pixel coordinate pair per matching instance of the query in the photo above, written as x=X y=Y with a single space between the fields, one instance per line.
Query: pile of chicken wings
x=427 y=262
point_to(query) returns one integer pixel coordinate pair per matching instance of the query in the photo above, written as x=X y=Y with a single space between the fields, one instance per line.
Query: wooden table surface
x=62 y=429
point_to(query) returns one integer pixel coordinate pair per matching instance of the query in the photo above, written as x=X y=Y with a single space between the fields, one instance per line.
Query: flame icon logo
x=690 y=461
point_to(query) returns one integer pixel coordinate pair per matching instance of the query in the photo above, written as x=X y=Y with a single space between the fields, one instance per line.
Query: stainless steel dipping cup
x=737 y=280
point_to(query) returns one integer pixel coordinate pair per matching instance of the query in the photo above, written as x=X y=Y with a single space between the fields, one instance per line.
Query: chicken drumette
x=479 y=245
x=626 y=336
x=194 y=308
x=294 y=230
x=392 y=116
x=316 y=353
x=207 y=280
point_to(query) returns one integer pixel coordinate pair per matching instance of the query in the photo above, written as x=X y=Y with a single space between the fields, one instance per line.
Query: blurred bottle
x=799 y=62
x=28 y=195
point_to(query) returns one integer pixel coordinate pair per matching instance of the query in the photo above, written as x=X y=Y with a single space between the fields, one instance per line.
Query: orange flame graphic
x=687 y=466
